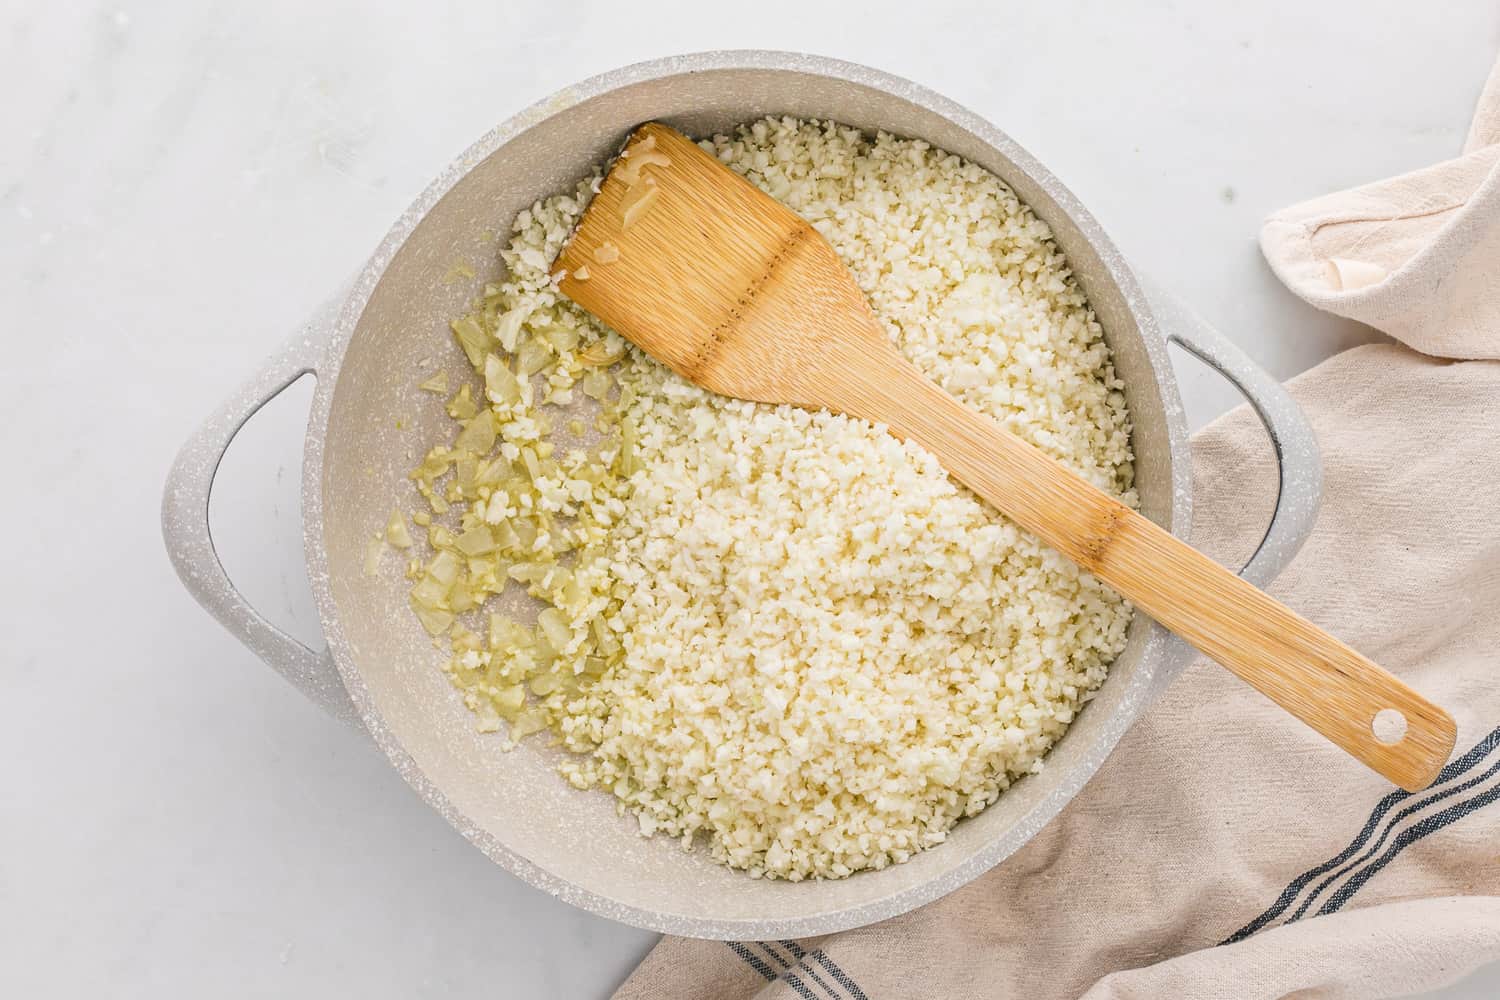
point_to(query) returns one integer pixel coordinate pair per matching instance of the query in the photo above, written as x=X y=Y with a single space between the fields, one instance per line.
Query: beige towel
x=1414 y=255
x=1226 y=850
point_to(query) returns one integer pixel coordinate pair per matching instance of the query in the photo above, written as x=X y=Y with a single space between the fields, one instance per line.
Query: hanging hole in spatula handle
x=1310 y=673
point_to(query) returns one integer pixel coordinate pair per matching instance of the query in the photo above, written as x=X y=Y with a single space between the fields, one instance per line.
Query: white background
x=181 y=182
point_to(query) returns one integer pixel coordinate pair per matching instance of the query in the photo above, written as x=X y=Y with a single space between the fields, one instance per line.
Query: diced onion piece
x=507 y=636
x=601 y=353
x=595 y=384
x=529 y=572
x=508 y=700
x=477 y=541
x=396 y=534
x=528 y=722
x=544 y=650
x=554 y=625
x=637 y=202
x=505 y=536
x=599 y=628
x=372 y=556
x=431 y=593
x=629 y=464
x=640 y=158
x=464 y=472
x=478 y=435
x=500 y=385
x=606 y=253
x=489 y=719
x=525 y=530
x=562 y=338
x=533 y=467
x=438 y=383
x=508 y=328
x=492 y=472
x=472 y=338
x=533 y=357
x=461 y=598
x=463 y=640
x=461 y=406
x=445 y=567
x=434 y=620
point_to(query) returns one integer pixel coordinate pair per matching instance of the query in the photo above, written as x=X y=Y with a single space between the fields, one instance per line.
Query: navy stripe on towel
x=804 y=964
x=751 y=959
x=1411 y=835
x=1390 y=828
x=791 y=977
x=839 y=975
x=798 y=952
x=1289 y=895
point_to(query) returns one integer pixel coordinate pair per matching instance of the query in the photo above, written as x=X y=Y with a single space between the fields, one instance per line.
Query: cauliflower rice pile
x=784 y=633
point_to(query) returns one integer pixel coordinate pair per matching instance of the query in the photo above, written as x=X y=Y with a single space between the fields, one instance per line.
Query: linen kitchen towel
x=1225 y=849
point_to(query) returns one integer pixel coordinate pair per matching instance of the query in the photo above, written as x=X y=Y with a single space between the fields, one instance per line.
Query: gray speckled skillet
x=379 y=670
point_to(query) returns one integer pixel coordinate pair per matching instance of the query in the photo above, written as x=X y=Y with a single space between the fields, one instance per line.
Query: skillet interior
x=512 y=804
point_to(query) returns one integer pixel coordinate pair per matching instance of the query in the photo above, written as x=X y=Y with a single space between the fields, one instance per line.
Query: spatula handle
x=1303 y=669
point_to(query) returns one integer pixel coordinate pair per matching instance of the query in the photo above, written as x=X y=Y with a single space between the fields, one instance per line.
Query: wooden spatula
x=737 y=293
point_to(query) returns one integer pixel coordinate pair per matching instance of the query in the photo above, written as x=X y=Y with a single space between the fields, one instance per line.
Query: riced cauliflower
x=784 y=635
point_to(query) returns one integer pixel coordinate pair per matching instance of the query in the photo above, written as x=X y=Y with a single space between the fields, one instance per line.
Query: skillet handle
x=185 y=527
x=1299 y=464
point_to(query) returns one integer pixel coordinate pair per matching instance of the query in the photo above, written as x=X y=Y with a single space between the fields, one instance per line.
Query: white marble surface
x=181 y=181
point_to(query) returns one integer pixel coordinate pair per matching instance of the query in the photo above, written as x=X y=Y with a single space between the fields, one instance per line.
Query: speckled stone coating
x=368 y=422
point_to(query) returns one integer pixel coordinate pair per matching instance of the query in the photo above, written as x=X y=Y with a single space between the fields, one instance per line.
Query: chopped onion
x=637 y=202
x=461 y=406
x=600 y=353
x=396 y=534
x=562 y=338
x=554 y=625
x=372 y=556
x=640 y=159
x=431 y=593
x=461 y=598
x=445 y=567
x=595 y=384
x=508 y=328
x=533 y=357
x=520 y=507
x=477 y=541
x=508 y=700
x=533 y=467
x=435 y=621
x=528 y=722
x=478 y=435
x=500 y=385
x=472 y=338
